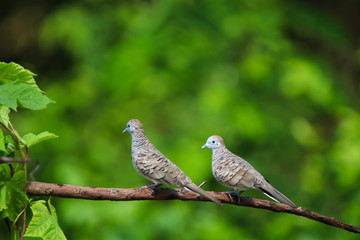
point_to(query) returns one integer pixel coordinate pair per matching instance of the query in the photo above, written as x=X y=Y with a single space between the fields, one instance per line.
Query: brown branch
x=15 y=160
x=129 y=194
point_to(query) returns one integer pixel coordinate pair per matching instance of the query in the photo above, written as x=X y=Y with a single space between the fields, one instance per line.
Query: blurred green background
x=278 y=80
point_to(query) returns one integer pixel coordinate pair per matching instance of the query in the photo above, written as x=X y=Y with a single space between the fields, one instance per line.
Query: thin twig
x=16 y=139
x=4 y=126
x=24 y=156
x=35 y=170
x=16 y=160
x=124 y=194
x=24 y=223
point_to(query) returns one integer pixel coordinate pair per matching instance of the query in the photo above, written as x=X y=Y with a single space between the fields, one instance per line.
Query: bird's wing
x=154 y=165
x=235 y=172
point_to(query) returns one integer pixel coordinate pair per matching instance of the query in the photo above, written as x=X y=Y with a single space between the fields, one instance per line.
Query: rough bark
x=130 y=194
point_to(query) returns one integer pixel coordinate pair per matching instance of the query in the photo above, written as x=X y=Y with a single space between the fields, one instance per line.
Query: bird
x=154 y=166
x=234 y=172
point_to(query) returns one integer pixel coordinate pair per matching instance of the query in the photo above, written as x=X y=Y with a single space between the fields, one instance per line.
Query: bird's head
x=213 y=142
x=133 y=125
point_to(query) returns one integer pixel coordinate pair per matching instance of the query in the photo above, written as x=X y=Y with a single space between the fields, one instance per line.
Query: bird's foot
x=229 y=194
x=152 y=187
x=233 y=192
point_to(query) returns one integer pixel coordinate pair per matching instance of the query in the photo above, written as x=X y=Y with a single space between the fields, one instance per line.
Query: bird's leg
x=238 y=195
x=233 y=191
x=151 y=187
x=229 y=193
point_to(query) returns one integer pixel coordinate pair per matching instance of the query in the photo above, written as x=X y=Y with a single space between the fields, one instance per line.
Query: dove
x=234 y=172
x=153 y=165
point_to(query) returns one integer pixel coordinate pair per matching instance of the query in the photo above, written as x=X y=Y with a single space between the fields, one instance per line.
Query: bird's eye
x=213 y=141
x=128 y=125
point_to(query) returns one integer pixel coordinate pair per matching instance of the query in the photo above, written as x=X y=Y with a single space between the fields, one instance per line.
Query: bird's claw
x=152 y=187
x=233 y=192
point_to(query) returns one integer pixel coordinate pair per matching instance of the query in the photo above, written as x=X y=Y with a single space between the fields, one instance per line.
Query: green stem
x=24 y=223
x=14 y=135
x=24 y=157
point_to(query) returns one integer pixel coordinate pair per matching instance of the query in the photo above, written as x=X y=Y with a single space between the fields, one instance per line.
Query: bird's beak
x=204 y=146
x=125 y=130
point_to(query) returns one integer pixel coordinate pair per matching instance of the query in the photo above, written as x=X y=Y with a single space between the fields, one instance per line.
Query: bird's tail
x=274 y=194
x=195 y=188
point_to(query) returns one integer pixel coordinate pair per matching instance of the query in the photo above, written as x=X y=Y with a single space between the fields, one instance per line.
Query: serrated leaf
x=15 y=201
x=14 y=72
x=44 y=223
x=19 y=179
x=27 y=95
x=33 y=99
x=52 y=210
x=32 y=139
x=12 y=195
x=20 y=88
x=4 y=115
x=2 y=142
x=10 y=145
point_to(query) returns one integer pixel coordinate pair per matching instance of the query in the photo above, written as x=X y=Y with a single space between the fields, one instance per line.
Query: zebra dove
x=153 y=165
x=232 y=171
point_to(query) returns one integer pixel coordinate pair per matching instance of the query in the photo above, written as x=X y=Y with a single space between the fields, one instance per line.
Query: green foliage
x=4 y=115
x=12 y=72
x=44 y=222
x=2 y=141
x=19 y=89
x=10 y=145
x=12 y=196
x=32 y=139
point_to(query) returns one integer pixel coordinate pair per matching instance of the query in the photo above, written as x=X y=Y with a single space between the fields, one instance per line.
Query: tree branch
x=26 y=160
x=129 y=194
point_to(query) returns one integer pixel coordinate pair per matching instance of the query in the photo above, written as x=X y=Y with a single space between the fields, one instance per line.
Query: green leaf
x=32 y=139
x=4 y=115
x=12 y=195
x=44 y=223
x=19 y=179
x=3 y=205
x=27 y=95
x=2 y=142
x=14 y=72
x=52 y=210
x=20 y=88
x=4 y=174
x=10 y=145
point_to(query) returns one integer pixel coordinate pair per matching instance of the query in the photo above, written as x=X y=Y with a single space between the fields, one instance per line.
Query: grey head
x=133 y=126
x=214 y=142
